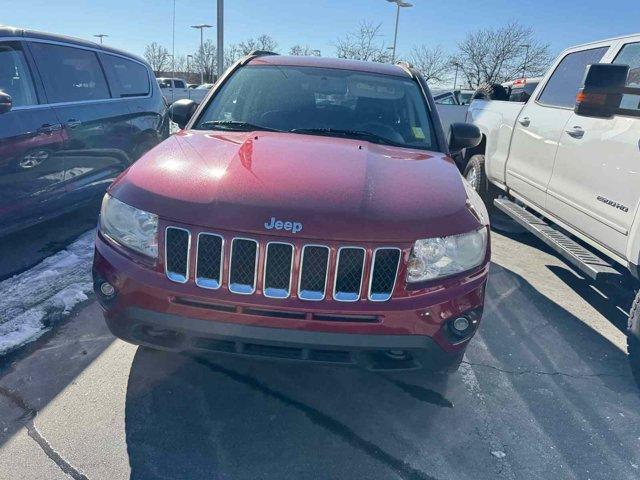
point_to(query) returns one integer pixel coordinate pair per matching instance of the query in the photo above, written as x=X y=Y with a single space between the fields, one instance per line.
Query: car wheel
x=476 y=176
x=633 y=340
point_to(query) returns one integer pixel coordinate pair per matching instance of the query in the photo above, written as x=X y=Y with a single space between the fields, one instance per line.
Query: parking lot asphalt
x=544 y=392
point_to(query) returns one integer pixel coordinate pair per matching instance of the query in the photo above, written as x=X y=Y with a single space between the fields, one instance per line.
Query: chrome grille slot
x=348 y=280
x=313 y=272
x=243 y=266
x=177 y=242
x=209 y=260
x=277 y=270
x=383 y=273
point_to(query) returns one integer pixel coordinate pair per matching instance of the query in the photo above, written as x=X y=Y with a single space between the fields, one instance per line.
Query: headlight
x=129 y=226
x=444 y=256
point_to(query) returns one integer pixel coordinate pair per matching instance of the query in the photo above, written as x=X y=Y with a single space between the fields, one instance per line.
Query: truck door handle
x=576 y=132
x=49 y=128
x=73 y=123
x=525 y=122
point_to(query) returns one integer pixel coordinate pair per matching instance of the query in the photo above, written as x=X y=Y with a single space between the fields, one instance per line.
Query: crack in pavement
x=540 y=372
x=28 y=416
x=403 y=469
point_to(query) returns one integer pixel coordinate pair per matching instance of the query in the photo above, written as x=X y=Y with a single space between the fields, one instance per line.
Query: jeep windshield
x=333 y=102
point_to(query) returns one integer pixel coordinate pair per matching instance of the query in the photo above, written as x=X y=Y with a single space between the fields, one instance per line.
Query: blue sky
x=132 y=24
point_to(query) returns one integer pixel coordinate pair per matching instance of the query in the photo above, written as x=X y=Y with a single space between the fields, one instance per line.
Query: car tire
x=475 y=174
x=633 y=340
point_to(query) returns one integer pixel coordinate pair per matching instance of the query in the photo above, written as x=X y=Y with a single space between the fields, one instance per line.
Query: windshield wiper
x=357 y=134
x=234 y=125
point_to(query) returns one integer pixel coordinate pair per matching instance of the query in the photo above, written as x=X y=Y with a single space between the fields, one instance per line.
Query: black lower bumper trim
x=183 y=334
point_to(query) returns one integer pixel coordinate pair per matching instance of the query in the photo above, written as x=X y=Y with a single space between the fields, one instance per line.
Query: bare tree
x=432 y=62
x=262 y=42
x=231 y=54
x=157 y=56
x=205 y=60
x=364 y=44
x=498 y=55
x=181 y=64
x=304 y=50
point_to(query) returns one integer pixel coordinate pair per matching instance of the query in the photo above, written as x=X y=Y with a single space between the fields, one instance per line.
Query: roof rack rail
x=260 y=53
x=403 y=63
x=254 y=54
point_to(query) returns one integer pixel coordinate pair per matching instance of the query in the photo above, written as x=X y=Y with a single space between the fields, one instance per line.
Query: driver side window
x=630 y=55
x=15 y=77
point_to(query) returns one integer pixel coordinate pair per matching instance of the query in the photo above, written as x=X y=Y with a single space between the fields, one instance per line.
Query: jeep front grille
x=348 y=272
x=177 y=242
x=209 y=260
x=383 y=277
x=278 y=263
x=243 y=266
x=313 y=272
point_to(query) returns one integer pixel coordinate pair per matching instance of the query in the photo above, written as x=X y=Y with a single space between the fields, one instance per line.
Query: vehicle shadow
x=612 y=299
x=34 y=375
x=544 y=379
x=22 y=250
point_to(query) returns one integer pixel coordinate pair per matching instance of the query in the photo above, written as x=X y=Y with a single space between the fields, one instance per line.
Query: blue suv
x=73 y=115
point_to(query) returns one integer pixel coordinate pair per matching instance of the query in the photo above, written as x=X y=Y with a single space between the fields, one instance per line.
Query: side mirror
x=602 y=91
x=5 y=102
x=181 y=111
x=463 y=135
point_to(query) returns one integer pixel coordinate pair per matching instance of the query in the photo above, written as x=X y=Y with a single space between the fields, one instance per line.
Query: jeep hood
x=337 y=189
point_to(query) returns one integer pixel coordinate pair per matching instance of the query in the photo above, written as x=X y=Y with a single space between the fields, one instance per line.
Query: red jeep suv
x=307 y=210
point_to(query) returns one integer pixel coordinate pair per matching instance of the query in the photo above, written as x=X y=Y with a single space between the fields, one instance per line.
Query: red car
x=307 y=210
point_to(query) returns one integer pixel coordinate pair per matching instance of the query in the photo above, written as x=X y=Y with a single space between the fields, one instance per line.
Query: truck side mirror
x=5 y=102
x=463 y=135
x=602 y=91
x=181 y=111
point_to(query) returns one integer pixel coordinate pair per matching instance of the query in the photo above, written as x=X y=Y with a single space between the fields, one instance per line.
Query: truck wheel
x=633 y=340
x=477 y=177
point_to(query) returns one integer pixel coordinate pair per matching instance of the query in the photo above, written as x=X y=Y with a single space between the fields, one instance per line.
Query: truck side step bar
x=585 y=261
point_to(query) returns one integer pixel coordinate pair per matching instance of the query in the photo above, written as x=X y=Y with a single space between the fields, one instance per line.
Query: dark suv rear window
x=126 y=77
x=70 y=74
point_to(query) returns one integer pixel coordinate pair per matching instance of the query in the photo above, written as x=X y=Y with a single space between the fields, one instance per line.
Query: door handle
x=73 y=123
x=525 y=122
x=48 y=128
x=576 y=132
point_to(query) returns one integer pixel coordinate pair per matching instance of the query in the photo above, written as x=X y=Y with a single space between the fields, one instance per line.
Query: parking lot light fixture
x=526 y=60
x=399 y=4
x=201 y=27
x=101 y=36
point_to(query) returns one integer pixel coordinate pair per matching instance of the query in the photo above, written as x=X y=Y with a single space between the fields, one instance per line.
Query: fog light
x=460 y=326
x=107 y=289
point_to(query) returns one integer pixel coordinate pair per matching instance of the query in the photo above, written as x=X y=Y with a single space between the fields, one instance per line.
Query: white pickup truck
x=566 y=164
x=177 y=89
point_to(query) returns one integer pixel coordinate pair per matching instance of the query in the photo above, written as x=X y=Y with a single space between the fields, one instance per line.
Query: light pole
x=101 y=36
x=455 y=78
x=201 y=27
x=526 y=60
x=399 y=4
x=188 y=71
x=220 y=25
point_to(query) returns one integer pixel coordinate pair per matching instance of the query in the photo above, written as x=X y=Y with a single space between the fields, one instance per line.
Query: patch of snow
x=32 y=301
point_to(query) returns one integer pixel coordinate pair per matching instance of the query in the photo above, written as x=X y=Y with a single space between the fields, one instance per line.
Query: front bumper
x=148 y=309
